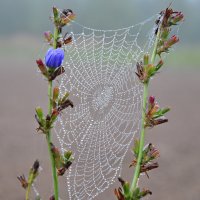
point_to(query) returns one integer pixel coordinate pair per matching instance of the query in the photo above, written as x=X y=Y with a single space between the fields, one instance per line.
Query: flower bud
x=39 y=113
x=55 y=12
x=176 y=18
x=66 y=16
x=159 y=65
x=151 y=100
x=48 y=36
x=52 y=197
x=54 y=57
x=173 y=40
x=42 y=67
x=23 y=181
x=35 y=167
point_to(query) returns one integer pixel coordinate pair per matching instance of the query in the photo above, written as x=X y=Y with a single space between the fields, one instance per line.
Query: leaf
x=126 y=189
x=67 y=155
x=39 y=113
x=55 y=13
x=136 y=193
x=165 y=110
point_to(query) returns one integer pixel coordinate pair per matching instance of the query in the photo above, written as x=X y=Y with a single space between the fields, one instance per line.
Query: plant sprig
x=152 y=114
x=56 y=103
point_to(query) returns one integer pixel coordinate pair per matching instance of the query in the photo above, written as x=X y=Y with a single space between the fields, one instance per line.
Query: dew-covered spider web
x=107 y=97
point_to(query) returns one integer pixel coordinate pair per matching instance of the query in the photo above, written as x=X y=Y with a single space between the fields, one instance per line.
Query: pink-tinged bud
x=40 y=62
x=42 y=67
x=173 y=40
x=48 y=36
x=177 y=18
x=159 y=65
x=52 y=197
x=151 y=100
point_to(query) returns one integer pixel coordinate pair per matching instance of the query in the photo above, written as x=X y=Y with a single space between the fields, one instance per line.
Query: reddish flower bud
x=40 y=62
x=173 y=40
x=52 y=197
x=177 y=18
x=48 y=36
x=42 y=67
x=152 y=100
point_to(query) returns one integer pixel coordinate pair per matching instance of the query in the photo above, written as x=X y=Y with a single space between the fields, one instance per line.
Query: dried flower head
x=23 y=181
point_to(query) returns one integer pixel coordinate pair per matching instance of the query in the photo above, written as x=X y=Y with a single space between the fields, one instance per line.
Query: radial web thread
x=107 y=97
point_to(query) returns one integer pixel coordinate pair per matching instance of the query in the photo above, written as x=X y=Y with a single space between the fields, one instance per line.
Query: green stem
x=154 y=53
x=142 y=136
x=55 y=38
x=142 y=133
x=48 y=137
x=28 y=189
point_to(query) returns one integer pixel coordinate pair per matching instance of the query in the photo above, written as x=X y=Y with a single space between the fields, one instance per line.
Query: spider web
x=100 y=77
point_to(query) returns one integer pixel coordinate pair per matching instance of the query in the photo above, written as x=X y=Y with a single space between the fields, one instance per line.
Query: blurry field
x=22 y=89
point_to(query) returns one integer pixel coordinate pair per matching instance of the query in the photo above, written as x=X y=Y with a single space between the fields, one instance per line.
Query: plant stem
x=154 y=53
x=142 y=133
x=142 y=136
x=55 y=37
x=48 y=137
x=28 y=189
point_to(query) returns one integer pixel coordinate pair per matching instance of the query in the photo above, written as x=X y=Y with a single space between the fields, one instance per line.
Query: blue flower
x=54 y=57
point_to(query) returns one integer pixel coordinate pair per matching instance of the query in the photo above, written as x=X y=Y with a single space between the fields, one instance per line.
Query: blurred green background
x=22 y=23
x=30 y=18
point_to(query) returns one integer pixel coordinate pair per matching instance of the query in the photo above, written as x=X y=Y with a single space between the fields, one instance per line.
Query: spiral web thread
x=107 y=97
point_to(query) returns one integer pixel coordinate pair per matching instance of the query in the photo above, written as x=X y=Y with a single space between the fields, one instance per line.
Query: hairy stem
x=142 y=133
